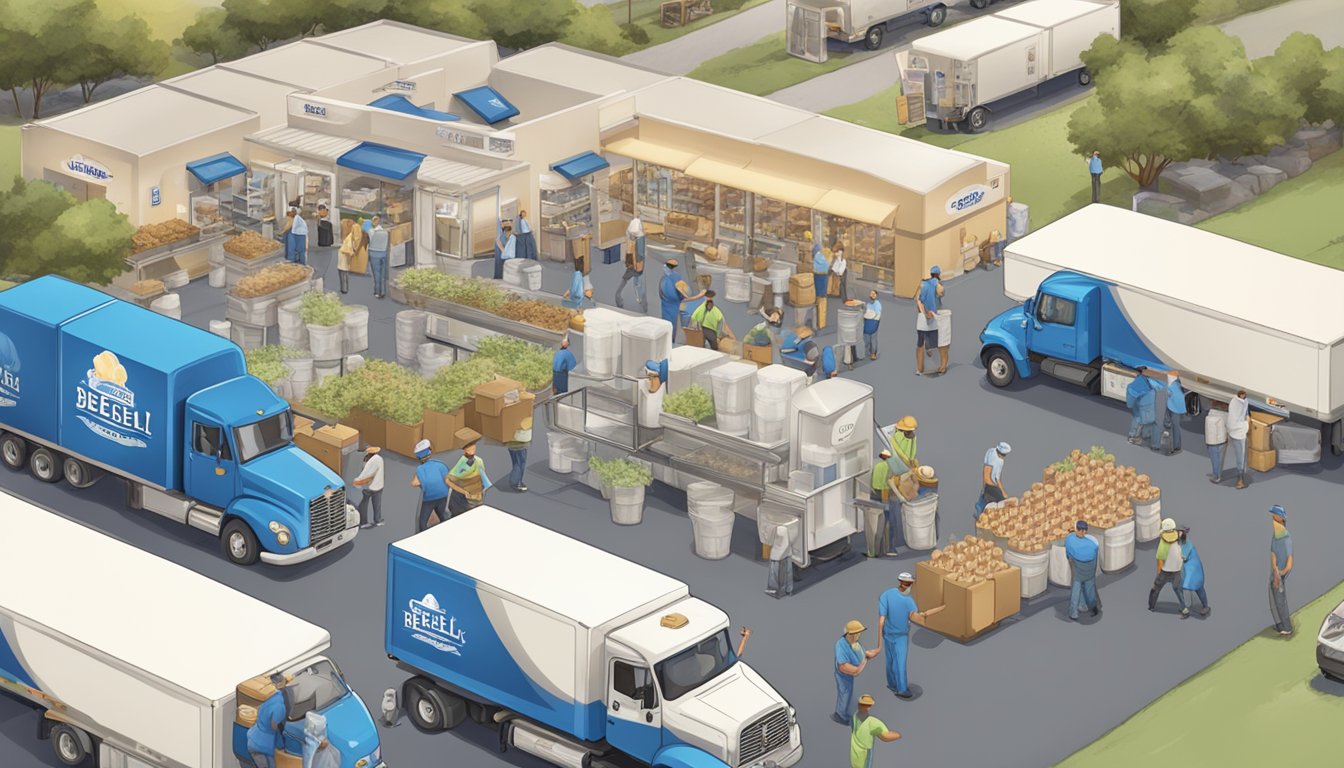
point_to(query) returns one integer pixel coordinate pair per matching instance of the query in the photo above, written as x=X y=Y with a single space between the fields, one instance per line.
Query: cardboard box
x=968 y=609
x=372 y=430
x=802 y=290
x=493 y=396
x=759 y=354
x=502 y=427
x=401 y=438
x=302 y=425
x=439 y=428
x=1259 y=438
x=1261 y=461
x=1007 y=593
x=471 y=419
x=325 y=451
x=338 y=435
x=928 y=586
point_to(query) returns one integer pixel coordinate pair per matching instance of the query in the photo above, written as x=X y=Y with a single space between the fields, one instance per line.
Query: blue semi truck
x=575 y=655
x=91 y=385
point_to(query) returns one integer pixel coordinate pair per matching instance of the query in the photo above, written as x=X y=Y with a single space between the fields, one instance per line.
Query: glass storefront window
x=768 y=220
x=620 y=189
x=448 y=213
x=254 y=203
x=691 y=214
x=653 y=185
x=799 y=223
x=732 y=212
x=211 y=205
x=836 y=230
x=362 y=196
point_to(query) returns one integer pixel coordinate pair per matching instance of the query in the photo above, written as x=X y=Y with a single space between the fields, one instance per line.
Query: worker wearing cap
x=762 y=334
x=634 y=264
x=821 y=273
x=711 y=321
x=903 y=442
x=992 y=477
x=895 y=610
x=370 y=480
x=850 y=659
x=1169 y=564
x=928 y=301
x=862 y=730
x=1142 y=403
x=466 y=471
x=1171 y=416
x=872 y=318
x=673 y=293
x=431 y=477
x=1280 y=563
x=522 y=438
x=296 y=237
x=267 y=734
x=563 y=362
x=1082 y=549
x=651 y=391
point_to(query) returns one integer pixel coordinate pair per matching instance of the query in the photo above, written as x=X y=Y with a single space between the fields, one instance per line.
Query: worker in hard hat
x=904 y=445
x=896 y=609
x=883 y=488
x=850 y=659
x=862 y=730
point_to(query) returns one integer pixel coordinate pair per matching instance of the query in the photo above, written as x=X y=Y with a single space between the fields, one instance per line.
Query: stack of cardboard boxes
x=502 y=405
x=970 y=608
x=1260 y=453
x=330 y=444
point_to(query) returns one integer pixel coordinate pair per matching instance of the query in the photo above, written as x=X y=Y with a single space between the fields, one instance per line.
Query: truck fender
x=51 y=719
x=258 y=515
x=686 y=756
x=1014 y=350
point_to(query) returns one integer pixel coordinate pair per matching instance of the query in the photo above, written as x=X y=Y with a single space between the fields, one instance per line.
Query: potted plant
x=627 y=480
x=450 y=391
x=393 y=397
x=324 y=315
x=693 y=402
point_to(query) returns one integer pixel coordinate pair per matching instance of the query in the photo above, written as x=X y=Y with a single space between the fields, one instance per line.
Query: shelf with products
x=691 y=195
x=798 y=222
x=732 y=212
x=620 y=187
x=768 y=220
x=836 y=230
x=398 y=203
x=653 y=185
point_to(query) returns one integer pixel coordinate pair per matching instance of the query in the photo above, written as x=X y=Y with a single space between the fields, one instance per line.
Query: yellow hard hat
x=866 y=700
x=854 y=628
x=808 y=234
x=907 y=424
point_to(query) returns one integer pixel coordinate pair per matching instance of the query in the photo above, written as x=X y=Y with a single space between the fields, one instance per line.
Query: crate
x=236 y=268
x=259 y=311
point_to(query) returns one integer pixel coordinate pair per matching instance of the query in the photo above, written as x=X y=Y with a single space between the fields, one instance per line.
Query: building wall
x=44 y=147
x=556 y=137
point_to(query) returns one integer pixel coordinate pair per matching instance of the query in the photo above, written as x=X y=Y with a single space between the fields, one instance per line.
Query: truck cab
x=276 y=503
x=315 y=685
x=1059 y=327
x=677 y=694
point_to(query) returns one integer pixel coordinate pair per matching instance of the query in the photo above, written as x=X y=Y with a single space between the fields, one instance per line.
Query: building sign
x=967 y=198
x=431 y=625
x=401 y=85
x=155 y=196
x=316 y=110
x=107 y=406
x=846 y=427
x=494 y=145
x=9 y=373
x=89 y=169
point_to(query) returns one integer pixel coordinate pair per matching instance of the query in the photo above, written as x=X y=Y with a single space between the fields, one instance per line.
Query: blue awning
x=486 y=102
x=397 y=103
x=379 y=160
x=216 y=168
x=579 y=166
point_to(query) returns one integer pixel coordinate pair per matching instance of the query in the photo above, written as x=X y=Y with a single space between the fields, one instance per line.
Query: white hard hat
x=1168 y=524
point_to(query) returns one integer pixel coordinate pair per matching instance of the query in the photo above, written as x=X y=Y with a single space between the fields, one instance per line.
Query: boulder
x=1159 y=205
x=1230 y=170
x=1250 y=181
x=1199 y=186
x=1196 y=162
x=1268 y=176
x=1192 y=216
x=1250 y=160
x=1322 y=143
x=1328 y=124
x=1293 y=162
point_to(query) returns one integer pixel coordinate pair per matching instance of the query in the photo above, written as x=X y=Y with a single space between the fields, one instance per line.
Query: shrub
x=323 y=309
x=621 y=473
x=454 y=385
x=268 y=363
x=693 y=402
x=384 y=389
x=636 y=34
x=519 y=360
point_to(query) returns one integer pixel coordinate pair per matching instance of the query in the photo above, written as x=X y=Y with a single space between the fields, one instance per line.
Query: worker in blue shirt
x=821 y=273
x=296 y=237
x=506 y=247
x=1134 y=394
x=828 y=369
x=1171 y=417
x=267 y=734
x=1082 y=549
x=895 y=610
x=561 y=365
x=674 y=293
x=872 y=316
x=1094 y=168
x=431 y=477
x=928 y=301
x=850 y=659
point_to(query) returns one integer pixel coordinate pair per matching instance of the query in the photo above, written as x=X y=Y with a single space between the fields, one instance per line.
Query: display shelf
x=732 y=212
x=769 y=219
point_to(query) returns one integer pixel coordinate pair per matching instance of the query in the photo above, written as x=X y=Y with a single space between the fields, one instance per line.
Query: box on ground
x=1259 y=438
x=329 y=445
x=401 y=438
x=439 y=428
x=502 y=427
x=493 y=396
x=968 y=609
x=1261 y=461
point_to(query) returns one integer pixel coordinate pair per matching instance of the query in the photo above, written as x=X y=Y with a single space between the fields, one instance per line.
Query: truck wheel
x=978 y=119
x=70 y=744
x=78 y=474
x=937 y=16
x=1193 y=405
x=426 y=706
x=1337 y=437
x=240 y=543
x=979 y=5
x=1084 y=78
x=999 y=368
x=14 y=451
x=873 y=39
x=44 y=465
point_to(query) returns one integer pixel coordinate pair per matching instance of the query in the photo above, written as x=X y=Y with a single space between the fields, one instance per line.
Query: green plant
x=384 y=389
x=621 y=473
x=323 y=309
x=1063 y=467
x=635 y=34
x=268 y=363
x=454 y=385
x=693 y=402
x=1098 y=453
x=518 y=360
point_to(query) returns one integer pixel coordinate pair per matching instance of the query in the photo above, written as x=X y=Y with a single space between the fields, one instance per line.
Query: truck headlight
x=282 y=534
x=275 y=527
x=793 y=716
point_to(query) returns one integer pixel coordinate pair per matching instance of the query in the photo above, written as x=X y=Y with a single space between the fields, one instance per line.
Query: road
x=680 y=56
x=1009 y=699
x=1262 y=31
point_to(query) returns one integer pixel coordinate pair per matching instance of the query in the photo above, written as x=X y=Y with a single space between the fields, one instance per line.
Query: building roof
x=148 y=119
x=1048 y=13
x=395 y=42
x=205 y=638
x=263 y=96
x=506 y=552
x=590 y=72
x=319 y=146
x=309 y=65
x=974 y=38
x=450 y=173
x=712 y=108
x=1189 y=265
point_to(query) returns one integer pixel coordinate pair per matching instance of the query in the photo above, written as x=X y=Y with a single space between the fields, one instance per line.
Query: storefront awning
x=857 y=207
x=379 y=160
x=650 y=152
x=579 y=166
x=748 y=180
x=395 y=102
x=216 y=168
x=488 y=103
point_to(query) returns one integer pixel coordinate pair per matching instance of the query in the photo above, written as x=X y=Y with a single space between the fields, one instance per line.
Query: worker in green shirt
x=863 y=729
x=903 y=442
x=882 y=482
x=710 y=319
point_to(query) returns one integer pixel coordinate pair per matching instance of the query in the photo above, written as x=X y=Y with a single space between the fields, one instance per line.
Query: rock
x=1328 y=124
x=1199 y=186
x=1159 y=205
x=1322 y=143
x=1249 y=160
x=1230 y=170
x=1196 y=162
x=1293 y=162
x=1192 y=216
x=1281 y=149
x=1269 y=176
x=1250 y=181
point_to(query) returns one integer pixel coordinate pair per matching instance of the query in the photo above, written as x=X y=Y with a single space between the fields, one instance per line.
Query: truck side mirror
x=649 y=702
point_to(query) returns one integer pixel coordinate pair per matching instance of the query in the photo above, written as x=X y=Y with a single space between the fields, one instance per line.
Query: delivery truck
x=977 y=67
x=91 y=385
x=137 y=662
x=810 y=23
x=1107 y=290
x=579 y=657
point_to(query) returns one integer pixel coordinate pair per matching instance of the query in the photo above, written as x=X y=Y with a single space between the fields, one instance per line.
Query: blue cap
x=1278 y=509
x=1004 y=448
x=1082 y=525
x=651 y=366
x=935 y=270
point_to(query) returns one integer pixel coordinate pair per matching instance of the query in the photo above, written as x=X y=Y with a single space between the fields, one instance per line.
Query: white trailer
x=810 y=23
x=139 y=662
x=974 y=65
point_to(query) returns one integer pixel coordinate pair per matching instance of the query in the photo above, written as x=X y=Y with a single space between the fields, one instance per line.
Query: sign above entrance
x=325 y=110
x=82 y=166
x=967 y=198
x=455 y=135
x=407 y=86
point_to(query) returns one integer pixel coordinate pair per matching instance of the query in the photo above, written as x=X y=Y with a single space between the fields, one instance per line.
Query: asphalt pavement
x=1026 y=694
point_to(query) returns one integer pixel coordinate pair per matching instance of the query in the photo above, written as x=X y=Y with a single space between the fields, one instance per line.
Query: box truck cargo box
x=810 y=23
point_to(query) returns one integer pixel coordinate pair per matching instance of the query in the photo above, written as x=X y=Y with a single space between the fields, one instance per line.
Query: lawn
x=645 y=15
x=765 y=66
x=9 y=156
x=1263 y=704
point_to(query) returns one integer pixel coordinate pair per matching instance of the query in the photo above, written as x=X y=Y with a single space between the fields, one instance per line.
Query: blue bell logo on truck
x=9 y=373
x=109 y=405
x=430 y=624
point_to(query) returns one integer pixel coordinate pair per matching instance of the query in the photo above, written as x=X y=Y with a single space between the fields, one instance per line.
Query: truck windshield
x=695 y=666
x=315 y=687
x=264 y=436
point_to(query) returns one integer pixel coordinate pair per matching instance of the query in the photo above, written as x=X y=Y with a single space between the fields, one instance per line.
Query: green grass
x=765 y=66
x=9 y=156
x=644 y=13
x=1255 y=706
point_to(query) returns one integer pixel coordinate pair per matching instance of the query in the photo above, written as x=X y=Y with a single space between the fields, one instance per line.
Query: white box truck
x=140 y=663
x=973 y=68
x=1107 y=290
x=577 y=655
x=810 y=23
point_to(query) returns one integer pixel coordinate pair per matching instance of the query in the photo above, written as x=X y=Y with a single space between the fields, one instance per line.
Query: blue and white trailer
x=576 y=655
x=1106 y=290
x=137 y=662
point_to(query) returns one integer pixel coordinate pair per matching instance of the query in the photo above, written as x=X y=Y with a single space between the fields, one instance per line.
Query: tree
x=13 y=70
x=262 y=23
x=1327 y=102
x=50 y=233
x=333 y=15
x=520 y=24
x=210 y=35
x=46 y=35
x=1297 y=66
x=1152 y=22
x=452 y=16
x=592 y=28
x=122 y=48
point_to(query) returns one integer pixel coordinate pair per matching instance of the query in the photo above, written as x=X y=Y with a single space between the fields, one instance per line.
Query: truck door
x=634 y=720
x=210 y=470
x=806 y=35
x=1054 y=328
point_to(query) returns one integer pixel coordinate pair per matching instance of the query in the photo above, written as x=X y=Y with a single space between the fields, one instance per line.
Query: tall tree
x=1327 y=103
x=13 y=67
x=262 y=23
x=51 y=234
x=122 y=47
x=1151 y=23
x=210 y=35
x=49 y=35
x=520 y=24
x=452 y=16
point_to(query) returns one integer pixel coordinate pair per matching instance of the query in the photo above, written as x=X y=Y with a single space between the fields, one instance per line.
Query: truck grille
x=326 y=516
x=764 y=736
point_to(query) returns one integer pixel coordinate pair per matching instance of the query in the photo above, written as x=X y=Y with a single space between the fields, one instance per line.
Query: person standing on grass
x=1281 y=564
x=1094 y=168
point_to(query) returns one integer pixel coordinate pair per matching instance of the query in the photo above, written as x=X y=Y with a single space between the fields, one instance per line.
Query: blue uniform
x=265 y=735
x=896 y=607
x=561 y=365
x=821 y=271
x=1082 y=554
x=827 y=362
x=1134 y=394
x=669 y=294
x=431 y=475
x=576 y=296
x=844 y=684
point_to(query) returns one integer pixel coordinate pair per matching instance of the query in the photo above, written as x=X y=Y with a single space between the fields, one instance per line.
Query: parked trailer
x=91 y=385
x=973 y=67
x=578 y=655
x=138 y=662
x=810 y=23
x=1106 y=285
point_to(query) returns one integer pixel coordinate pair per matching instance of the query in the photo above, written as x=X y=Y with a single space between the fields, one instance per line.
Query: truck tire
x=240 y=543
x=872 y=40
x=1336 y=436
x=77 y=473
x=70 y=745
x=937 y=15
x=425 y=705
x=14 y=451
x=978 y=119
x=44 y=465
x=999 y=368
x=1084 y=78
x=1194 y=406
x=979 y=5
